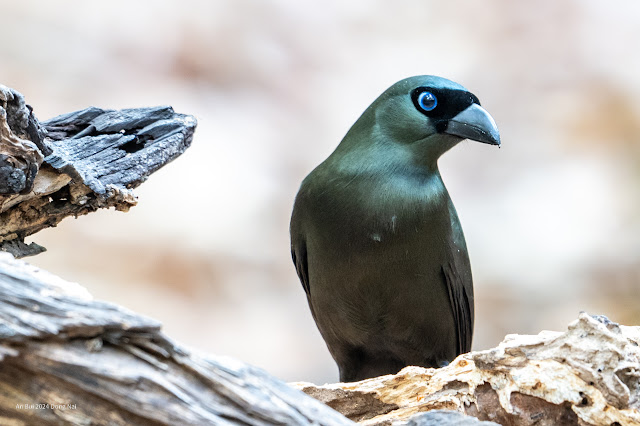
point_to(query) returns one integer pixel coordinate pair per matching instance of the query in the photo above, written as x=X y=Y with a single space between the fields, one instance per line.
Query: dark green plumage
x=376 y=240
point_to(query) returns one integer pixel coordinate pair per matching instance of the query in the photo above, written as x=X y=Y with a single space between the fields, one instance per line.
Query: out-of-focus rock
x=443 y=418
x=588 y=375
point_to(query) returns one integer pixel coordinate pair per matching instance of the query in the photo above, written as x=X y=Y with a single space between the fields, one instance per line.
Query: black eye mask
x=449 y=103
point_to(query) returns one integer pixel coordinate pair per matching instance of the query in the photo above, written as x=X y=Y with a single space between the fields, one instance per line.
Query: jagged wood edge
x=94 y=157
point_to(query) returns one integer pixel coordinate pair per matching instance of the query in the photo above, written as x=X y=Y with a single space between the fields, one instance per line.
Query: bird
x=376 y=240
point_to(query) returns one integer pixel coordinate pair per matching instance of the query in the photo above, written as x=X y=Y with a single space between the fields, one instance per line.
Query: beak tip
x=476 y=124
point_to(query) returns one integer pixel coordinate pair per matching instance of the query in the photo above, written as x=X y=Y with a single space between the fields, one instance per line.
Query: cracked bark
x=77 y=163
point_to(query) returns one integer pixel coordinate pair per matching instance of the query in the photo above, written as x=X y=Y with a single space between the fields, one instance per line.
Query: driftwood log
x=68 y=359
x=77 y=163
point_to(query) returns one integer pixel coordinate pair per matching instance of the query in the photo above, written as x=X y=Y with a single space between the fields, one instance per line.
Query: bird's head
x=428 y=115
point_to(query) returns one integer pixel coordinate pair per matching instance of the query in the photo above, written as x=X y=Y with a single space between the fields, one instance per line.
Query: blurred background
x=552 y=219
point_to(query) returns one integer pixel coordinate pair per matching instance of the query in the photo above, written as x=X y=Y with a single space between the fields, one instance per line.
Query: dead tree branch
x=77 y=163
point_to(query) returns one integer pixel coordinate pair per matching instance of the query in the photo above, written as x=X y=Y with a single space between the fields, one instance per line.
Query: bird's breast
x=361 y=213
x=376 y=248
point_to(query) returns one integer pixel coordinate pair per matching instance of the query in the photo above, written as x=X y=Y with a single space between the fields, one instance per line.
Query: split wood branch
x=77 y=163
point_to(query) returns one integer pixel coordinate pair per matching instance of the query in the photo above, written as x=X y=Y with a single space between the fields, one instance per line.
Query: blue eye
x=427 y=101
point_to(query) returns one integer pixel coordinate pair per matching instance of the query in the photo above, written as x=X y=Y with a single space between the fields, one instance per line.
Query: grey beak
x=476 y=124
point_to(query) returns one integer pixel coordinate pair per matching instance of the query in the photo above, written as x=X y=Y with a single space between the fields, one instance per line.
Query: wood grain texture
x=92 y=362
x=78 y=162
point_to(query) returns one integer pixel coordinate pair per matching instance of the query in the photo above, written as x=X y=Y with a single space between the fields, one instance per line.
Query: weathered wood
x=20 y=157
x=588 y=375
x=68 y=359
x=77 y=163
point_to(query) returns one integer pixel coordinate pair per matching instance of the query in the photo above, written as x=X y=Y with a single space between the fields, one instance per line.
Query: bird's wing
x=299 y=256
x=460 y=288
